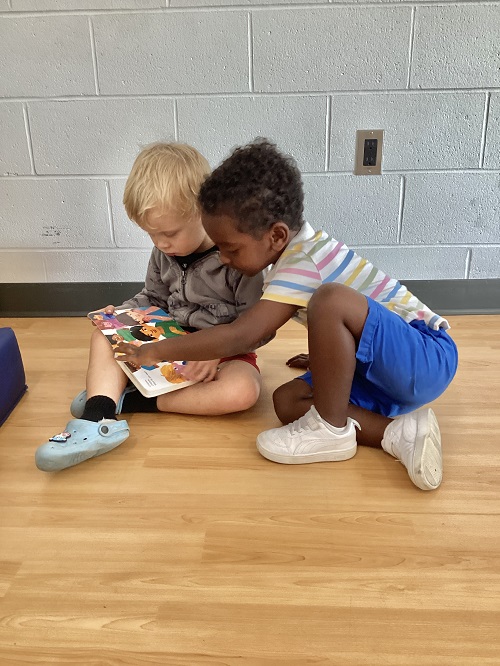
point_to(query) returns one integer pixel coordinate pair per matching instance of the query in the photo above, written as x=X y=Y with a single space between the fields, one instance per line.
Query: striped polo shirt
x=313 y=258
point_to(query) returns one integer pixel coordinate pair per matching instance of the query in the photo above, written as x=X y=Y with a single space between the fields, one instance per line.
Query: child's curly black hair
x=258 y=185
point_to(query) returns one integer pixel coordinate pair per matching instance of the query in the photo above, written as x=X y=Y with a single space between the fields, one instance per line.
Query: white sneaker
x=308 y=440
x=414 y=439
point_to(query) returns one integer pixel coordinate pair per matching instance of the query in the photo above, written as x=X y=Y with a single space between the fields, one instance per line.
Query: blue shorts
x=400 y=366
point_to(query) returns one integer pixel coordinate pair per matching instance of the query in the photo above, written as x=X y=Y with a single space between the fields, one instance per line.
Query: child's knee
x=245 y=394
x=287 y=397
x=280 y=397
x=100 y=341
x=100 y=349
x=335 y=303
x=329 y=293
x=96 y=334
x=240 y=387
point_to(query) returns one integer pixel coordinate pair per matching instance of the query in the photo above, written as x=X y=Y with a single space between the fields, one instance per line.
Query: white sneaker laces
x=297 y=427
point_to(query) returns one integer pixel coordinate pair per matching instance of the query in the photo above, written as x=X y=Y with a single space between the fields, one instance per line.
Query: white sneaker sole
x=426 y=470
x=304 y=459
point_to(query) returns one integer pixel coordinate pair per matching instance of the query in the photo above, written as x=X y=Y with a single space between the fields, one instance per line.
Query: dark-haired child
x=376 y=353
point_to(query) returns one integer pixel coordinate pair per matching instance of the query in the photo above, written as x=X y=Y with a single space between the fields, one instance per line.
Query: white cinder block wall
x=85 y=83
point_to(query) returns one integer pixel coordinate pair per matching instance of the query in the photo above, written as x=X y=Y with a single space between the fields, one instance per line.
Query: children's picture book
x=140 y=326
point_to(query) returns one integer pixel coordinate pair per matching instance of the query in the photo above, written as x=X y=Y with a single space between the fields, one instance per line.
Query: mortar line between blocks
x=410 y=47
x=328 y=131
x=28 y=138
x=94 y=55
x=357 y=247
x=299 y=6
x=318 y=174
x=110 y=213
x=176 y=121
x=246 y=93
x=402 y=194
x=468 y=259
x=45 y=269
x=485 y=129
x=251 y=83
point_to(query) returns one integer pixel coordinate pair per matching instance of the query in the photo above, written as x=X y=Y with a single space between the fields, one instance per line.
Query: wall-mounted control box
x=368 y=152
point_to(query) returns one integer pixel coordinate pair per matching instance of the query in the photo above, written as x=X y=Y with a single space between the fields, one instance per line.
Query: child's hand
x=143 y=355
x=200 y=371
x=299 y=361
x=108 y=309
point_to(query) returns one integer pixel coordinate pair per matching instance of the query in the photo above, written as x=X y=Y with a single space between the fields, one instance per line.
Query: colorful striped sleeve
x=294 y=280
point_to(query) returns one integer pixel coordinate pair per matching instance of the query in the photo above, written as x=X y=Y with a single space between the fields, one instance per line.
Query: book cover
x=141 y=326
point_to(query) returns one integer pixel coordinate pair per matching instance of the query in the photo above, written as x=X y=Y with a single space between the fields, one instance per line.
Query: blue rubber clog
x=80 y=441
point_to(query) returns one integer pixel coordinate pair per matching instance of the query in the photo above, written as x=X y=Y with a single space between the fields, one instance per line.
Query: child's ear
x=279 y=235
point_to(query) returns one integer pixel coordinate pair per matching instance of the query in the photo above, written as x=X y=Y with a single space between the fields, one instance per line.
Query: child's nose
x=162 y=244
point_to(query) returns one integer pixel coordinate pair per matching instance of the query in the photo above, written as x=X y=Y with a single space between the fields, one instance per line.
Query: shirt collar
x=306 y=232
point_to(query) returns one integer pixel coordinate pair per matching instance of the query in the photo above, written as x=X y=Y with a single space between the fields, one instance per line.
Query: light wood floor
x=184 y=547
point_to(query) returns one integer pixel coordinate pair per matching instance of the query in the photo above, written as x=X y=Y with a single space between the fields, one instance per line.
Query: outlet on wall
x=368 y=152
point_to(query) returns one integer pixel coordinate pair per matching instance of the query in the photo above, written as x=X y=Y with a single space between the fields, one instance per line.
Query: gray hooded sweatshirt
x=206 y=293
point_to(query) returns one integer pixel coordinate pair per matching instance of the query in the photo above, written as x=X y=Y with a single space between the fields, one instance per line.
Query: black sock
x=136 y=402
x=99 y=407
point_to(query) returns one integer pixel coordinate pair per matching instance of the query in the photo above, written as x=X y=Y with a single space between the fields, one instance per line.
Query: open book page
x=140 y=326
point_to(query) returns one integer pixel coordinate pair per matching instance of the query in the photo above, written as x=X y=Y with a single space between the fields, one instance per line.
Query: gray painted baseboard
x=74 y=299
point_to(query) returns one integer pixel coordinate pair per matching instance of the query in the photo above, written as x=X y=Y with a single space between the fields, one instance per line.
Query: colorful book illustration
x=141 y=326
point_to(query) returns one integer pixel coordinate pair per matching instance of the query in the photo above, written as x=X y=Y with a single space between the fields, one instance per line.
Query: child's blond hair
x=168 y=176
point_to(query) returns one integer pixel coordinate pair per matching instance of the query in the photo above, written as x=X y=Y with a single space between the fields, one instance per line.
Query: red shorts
x=251 y=358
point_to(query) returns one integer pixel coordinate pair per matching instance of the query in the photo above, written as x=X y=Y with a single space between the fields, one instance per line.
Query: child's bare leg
x=104 y=375
x=235 y=389
x=336 y=317
x=96 y=431
x=372 y=426
x=294 y=399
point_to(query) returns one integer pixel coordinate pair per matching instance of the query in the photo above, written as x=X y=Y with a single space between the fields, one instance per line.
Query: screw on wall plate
x=368 y=152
